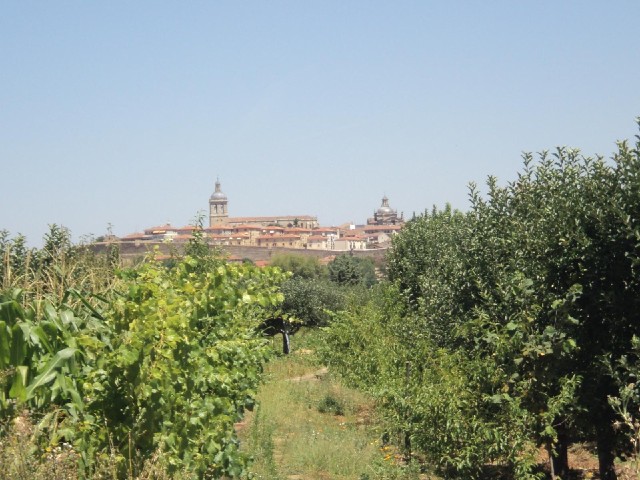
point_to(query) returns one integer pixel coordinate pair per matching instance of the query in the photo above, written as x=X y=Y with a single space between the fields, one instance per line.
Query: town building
x=385 y=215
x=284 y=231
x=219 y=213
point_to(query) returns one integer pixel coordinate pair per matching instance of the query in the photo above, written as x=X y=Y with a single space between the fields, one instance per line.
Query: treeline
x=140 y=372
x=511 y=326
x=315 y=291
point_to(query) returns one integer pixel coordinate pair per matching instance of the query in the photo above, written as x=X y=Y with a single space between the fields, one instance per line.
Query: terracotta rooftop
x=373 y=228
x=219 y=226
x=248 y=227
x=183 y=237
x=271 y=218
x=279 y=237
x=160 y=229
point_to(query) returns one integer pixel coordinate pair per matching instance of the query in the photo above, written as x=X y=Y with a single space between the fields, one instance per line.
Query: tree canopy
x=533 y=295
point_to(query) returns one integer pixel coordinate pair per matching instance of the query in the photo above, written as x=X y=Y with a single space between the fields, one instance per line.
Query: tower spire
x=218 y=212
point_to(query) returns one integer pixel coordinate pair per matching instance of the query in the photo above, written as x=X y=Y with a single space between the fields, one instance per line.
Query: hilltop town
x=285 y=231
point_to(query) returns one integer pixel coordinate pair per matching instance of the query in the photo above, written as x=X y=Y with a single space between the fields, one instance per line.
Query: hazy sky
x=125 y=112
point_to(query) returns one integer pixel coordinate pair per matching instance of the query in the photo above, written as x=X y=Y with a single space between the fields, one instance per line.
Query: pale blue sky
x=125 y=112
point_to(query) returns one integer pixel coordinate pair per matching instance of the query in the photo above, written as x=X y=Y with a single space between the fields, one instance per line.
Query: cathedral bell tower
x=218 y=212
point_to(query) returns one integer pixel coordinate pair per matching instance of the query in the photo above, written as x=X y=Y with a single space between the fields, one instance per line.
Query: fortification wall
x=134 y=250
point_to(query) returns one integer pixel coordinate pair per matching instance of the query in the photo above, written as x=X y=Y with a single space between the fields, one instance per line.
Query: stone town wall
x=134 y=250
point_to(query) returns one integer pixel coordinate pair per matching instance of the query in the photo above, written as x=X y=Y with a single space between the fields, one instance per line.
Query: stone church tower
x=385 y=215
x=218 y=212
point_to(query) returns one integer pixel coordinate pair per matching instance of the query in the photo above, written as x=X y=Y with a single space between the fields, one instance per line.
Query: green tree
x=521 y=290
x=301 y=266
x=311 y=301
x=351 y=270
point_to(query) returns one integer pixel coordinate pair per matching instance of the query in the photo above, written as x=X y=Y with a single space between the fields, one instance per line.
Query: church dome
x=385 y=209
x=218 y=195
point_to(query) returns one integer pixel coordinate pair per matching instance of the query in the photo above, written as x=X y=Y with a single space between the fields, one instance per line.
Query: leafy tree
x=308 y=297
x=565 y=226
x=520 y=291
x=427 y=264
x=311 y=300
x=350 y=270
x=301 y=266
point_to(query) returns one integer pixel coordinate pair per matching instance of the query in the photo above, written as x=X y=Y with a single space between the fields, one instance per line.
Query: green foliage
x=44 y=353
x=427 y=264
x=626 y=403
x=350 y=270
x=197 y=246
x=301 y=266
x=311 y=301
x=330 y=404
x=55 y=268
x=523 y=298
x=160 y=368
x=15 y=259
x=185 y=363
x=427 y=394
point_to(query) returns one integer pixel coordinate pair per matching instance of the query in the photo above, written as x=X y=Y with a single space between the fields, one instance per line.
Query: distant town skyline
x=125 y=113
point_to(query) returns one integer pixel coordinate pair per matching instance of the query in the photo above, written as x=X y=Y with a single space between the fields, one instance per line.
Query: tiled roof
x=160 y=229
x=183 y=237
x=219 y=226
x=247 y=227
x=277 y=238
x=374 y=228
x=272 y=219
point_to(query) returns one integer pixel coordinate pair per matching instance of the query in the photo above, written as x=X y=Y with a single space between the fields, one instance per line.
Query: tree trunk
x=286 y=344
x=560 y=456
x=606 y=457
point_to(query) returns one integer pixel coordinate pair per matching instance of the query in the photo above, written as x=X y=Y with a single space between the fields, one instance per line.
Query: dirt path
x=307 y=425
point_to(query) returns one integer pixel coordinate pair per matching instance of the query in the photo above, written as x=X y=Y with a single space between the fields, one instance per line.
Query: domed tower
x=218 y=212
x=385 y=215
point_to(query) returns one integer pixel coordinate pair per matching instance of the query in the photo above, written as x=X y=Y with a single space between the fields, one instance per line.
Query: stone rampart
x=131 y=251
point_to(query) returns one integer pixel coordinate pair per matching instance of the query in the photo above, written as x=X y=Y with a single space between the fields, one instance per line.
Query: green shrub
x=331 y=404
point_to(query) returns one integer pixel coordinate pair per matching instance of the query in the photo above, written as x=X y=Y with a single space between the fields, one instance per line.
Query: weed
x=330 y=404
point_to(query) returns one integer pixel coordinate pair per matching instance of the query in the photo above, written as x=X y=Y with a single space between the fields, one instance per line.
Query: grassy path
x=306 y=425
